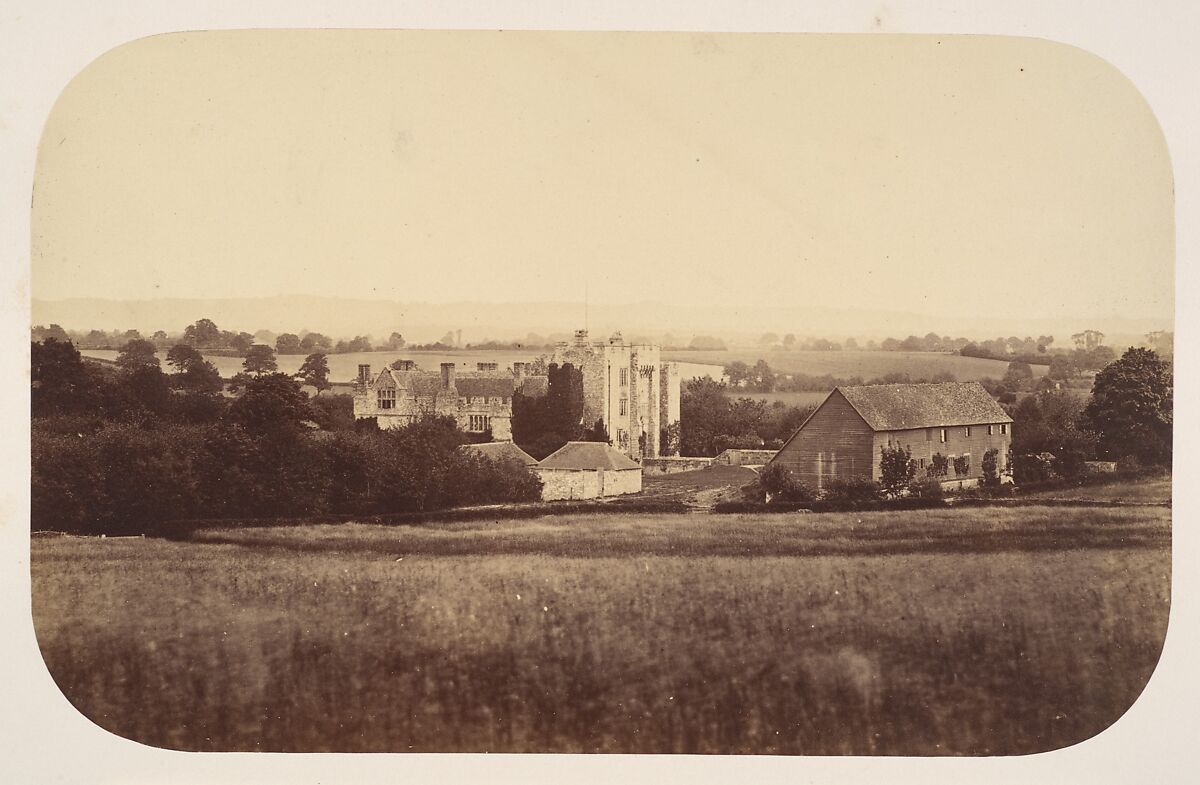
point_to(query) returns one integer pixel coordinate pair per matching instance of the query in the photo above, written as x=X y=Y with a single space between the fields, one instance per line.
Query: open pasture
x=982 y=631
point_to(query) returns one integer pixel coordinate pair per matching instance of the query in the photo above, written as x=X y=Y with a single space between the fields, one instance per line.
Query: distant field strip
x=975 y=530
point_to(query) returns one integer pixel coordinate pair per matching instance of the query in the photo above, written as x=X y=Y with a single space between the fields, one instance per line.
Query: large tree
x=192 y=371
x=288 y=343
x=204 y=332
x=540 y=425
x=135 y=354
x=314 y=371
x=1132 y=407
x=260 y=359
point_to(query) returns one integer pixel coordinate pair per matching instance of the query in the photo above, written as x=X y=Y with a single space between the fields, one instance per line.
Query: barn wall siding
x=925 y=442
x=834 y=442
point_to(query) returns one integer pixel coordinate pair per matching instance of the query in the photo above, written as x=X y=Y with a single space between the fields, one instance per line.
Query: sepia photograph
x=479 y=391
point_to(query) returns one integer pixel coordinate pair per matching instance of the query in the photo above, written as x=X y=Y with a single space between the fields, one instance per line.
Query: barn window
x=943 y=434
x=967 y=432
x=1003 y=427
x=387 y=398
x=990 y=431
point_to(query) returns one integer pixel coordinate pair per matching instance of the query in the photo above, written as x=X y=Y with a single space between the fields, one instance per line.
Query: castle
x=625 y=385
x=630 y=389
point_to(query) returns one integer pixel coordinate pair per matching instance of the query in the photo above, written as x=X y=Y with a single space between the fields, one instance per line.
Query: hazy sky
x=955 y=175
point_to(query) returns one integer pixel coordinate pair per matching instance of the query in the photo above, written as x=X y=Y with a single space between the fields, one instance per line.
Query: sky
x=953 y=175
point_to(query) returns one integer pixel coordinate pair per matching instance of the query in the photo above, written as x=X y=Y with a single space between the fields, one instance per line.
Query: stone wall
x=673 y=464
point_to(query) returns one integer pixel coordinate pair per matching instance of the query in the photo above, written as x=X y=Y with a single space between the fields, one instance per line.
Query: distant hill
x=426 y=322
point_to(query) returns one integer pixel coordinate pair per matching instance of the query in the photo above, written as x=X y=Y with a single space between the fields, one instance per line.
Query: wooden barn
x=842 y=439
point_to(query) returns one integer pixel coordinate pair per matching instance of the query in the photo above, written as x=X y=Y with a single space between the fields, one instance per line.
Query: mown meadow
x=962 y=631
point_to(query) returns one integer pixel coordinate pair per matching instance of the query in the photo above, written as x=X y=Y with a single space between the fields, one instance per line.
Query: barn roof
x=894 y=407
x=498 y=451
x=587 y=455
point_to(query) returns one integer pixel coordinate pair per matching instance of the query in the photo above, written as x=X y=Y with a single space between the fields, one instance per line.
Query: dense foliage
x=712 y=422
x=127 y=448
x=542 y=424
x=1131 y=409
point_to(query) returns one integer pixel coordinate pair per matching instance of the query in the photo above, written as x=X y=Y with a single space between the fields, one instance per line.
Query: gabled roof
x=485 y=386
x=587 y=455
x=498 y=451
x=894 y=407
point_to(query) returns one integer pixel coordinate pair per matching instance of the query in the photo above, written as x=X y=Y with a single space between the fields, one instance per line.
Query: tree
x=1061 y=367
x=260 y=359
x=359 y=343
x=314 y=371
x=54 y=331
x=991 y=473
x=287 y=343
x=313 y=341
x=59 y=380
x=203 y=333
x=1018 y=376
x=137 y=353
x=789 y=341
x=896 y=469
x=764 y=377
x=192 y=371
x=1052 y=423
x=542 y=424
x=768 y=339
x=395 y=341
x=1132 y=407
x=737 y=372
x=272 y=404
x=597 y=433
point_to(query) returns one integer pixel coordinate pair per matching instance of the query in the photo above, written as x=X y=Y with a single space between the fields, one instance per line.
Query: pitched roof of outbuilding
x=588 y=455
x=894 y=407
x=501 y=451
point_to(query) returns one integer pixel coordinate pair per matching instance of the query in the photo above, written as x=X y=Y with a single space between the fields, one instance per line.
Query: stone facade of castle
x=628 y=387
x=625 y=385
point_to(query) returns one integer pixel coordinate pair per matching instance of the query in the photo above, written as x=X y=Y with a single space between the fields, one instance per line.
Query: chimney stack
x=364 y=373
x=447 y=375
x=519 y=373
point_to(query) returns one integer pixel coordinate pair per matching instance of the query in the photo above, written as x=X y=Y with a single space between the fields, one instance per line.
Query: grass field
x=845 y=364
x=982 y=631
x=1144 y=491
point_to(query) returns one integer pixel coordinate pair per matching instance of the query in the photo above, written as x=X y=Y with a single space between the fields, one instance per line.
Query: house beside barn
x=480 y=401
x=588 y=470
x=842 y=439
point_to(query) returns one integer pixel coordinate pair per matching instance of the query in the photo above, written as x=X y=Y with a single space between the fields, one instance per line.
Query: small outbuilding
x=501 y=451
x=588 y=470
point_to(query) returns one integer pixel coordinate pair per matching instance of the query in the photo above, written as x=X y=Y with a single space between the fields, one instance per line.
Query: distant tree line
x=711 y=421
x=760 y=377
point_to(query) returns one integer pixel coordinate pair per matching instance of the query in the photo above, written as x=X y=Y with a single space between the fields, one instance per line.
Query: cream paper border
x=44 y=44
